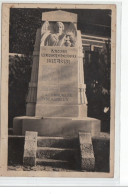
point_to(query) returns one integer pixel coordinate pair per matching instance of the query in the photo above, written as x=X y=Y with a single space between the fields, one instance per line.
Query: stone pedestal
x=56 y=126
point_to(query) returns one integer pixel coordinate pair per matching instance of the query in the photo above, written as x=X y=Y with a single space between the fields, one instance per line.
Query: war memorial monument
x=56 y=127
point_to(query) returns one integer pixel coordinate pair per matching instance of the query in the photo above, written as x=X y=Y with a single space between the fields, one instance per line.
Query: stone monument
x=56 y=101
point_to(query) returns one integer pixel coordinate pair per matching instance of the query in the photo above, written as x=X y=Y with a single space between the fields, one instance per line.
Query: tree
x=19 y=77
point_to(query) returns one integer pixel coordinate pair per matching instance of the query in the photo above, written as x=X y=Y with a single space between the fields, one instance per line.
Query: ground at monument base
x=39 y=168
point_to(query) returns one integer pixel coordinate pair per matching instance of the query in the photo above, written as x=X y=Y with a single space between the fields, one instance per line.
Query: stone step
x=57 y=153
x=57 y=142
x=53 y=163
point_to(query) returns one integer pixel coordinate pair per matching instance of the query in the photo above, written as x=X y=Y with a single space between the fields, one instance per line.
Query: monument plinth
x=56 y=102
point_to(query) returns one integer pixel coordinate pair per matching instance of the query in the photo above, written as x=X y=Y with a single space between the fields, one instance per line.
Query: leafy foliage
x=97 y=79
x=23 y=26
x=19 y=77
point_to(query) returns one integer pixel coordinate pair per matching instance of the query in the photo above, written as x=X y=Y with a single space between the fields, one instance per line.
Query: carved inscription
x=57 y=56
x=57 y=97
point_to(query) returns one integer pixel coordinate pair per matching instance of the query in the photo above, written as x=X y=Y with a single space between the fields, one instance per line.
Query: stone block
x=17 y=125
x=57 y=94
x=59 y=16
x=86 y=152
x=83 y=110
x=58 y=127
x=57 y=111
x=30 y=148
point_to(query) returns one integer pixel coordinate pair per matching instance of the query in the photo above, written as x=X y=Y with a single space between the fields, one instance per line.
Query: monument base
x=56 y=126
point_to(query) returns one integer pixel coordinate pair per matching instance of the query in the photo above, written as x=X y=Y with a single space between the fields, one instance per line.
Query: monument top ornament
x=56 y=31
x=55 y=35
x=59 y=15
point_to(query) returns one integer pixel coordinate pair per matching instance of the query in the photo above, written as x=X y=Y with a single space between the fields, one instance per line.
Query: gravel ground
x=37 y=168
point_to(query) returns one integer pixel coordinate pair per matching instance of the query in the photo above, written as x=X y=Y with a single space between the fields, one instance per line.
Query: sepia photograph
x=58 y=81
